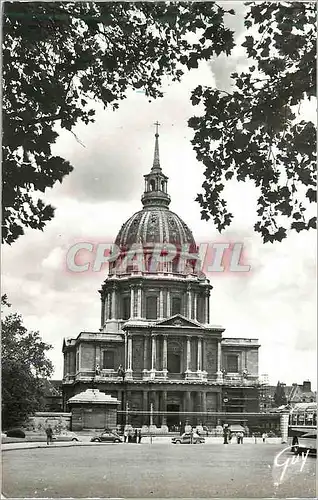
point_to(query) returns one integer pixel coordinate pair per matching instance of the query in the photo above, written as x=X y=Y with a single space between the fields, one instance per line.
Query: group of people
x=131 y=436
x=228 y=435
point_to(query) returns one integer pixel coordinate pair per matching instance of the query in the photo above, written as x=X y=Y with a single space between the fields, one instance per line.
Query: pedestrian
x=139 y=436
x=264 y=437
x=125 y=435
x=191 y=436
x=241 y=437
x=225 y=436
x=49 y=434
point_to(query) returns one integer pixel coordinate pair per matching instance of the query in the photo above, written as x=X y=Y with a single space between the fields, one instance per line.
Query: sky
x=274 y=302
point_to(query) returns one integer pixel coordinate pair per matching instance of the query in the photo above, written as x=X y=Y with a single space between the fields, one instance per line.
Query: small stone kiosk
x=93 y=409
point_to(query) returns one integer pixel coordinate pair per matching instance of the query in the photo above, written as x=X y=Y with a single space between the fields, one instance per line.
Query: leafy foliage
x=280 y=396
x=24 y=366
x=58 y=57
x=255 y=132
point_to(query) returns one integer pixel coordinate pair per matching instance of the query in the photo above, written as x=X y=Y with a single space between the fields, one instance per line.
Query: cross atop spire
x=157 y=124
x=156 y=160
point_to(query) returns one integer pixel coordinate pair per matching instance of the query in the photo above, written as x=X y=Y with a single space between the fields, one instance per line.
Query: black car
x=108 y=437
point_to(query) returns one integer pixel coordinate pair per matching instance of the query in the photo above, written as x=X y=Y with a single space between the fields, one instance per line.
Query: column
x=153 y=353
x=126 y=354
x=156 y=409
x=97 y=356
x=188 y=364
x=132 y=300
x=146 y=350
x=113 y=313
x=160 y=304
x=189 y=302
x=168 y=304
x=218 y=355
x=198 y=407
x=203 y=400
x=219 y=373
x=102 y=319
x=199 y=355
x=203 y=354
x=206 y=307
x=219 y=401
x=109 y=305
x=139 y=302
x=165 y=354
x=188 y=403
x=106 y=306
x=129 y=357
x=164 y=407
x=145 y=407
x=195 y=298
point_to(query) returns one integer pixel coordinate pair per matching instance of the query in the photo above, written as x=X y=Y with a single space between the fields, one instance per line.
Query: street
x=158 y=470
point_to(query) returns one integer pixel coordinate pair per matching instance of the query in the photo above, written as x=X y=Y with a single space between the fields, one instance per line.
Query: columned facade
x=156 y=349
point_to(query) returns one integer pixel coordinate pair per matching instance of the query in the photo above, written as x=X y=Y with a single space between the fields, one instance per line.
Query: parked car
x=16 y=433
x=186 y=439
x=307 y=442
x=108 y=437
x=65 y=436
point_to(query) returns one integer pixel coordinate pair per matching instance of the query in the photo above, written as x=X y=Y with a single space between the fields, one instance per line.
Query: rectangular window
x=232 y=363
x=151 y=307
x=77 y=360
x=176 y=306
x=200 y=313
x=108 y=360
x=126 y=308
x=174 y=363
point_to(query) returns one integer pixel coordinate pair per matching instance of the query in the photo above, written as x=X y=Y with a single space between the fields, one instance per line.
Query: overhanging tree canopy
x=58 y=57
x=255 y=131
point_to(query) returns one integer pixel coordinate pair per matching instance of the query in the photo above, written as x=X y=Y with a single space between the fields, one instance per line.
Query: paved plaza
x=158 y=470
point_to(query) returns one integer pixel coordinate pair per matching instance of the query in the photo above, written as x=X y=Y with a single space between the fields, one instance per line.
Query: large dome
x=155 y=225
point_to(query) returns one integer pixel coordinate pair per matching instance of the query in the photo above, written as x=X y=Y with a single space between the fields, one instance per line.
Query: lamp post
x=151 y=421
x=121 y=373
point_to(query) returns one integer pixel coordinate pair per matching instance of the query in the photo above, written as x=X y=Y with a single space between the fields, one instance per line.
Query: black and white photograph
x=158 y=279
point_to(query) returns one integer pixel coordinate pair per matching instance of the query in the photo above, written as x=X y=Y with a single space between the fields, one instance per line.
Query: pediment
x=179 y=321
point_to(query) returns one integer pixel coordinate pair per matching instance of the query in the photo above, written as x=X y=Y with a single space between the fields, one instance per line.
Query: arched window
x=163 y=186
x=152 y=185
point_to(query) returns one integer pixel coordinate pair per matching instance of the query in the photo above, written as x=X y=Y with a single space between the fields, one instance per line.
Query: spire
x=155 y=194
x=156 y=160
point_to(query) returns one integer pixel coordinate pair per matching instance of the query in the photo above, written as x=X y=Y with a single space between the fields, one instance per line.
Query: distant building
x=295 y=393
x=301 y=393
x=156 y=349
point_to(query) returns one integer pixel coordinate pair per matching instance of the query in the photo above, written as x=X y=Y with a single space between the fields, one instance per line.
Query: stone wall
x=93 y=417
x=58 y=421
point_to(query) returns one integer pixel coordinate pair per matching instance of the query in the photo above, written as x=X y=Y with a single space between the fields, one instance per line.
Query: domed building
x=156 y=350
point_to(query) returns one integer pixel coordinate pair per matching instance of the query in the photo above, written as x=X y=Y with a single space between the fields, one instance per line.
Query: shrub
x=16 y=433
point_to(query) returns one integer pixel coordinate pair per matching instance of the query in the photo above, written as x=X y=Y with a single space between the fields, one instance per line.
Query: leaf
x=299 y=226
